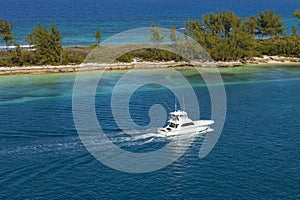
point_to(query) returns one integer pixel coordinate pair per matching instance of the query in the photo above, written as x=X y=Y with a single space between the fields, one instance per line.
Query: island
x=227 y=38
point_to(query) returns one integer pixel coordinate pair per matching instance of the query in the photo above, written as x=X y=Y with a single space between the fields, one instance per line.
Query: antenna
x=183 y=103
x=175 y=104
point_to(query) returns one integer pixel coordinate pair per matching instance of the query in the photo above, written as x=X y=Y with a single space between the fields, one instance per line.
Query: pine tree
x=270 y=24
x=251 y=25
x=294 y=31
x=224 y=35
x=297 y=14
x=173 y=34
x=48 y=44
x=6 y=32
x=29 y=39
x=156 y=36
x=98 y=37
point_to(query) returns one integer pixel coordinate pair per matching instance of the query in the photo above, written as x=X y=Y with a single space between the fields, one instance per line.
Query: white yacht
x=179 y=124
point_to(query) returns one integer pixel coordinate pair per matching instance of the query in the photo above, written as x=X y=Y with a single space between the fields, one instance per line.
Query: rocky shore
x=145 y=65
x=271 y=59
x=88 y=67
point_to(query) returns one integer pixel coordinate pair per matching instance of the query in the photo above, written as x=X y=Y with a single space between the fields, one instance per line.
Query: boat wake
x=141 y=137
x=145 y=136
x=127 y=139
x=135 y=137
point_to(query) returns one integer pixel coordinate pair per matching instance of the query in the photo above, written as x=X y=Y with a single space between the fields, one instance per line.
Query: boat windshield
x=172 y=125
x=175 y=117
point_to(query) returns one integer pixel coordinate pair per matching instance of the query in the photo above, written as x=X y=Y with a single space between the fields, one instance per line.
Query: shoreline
x=255 y=61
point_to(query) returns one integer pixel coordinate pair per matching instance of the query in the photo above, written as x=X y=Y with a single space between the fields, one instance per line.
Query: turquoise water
x=79 y=19
x=256 y=157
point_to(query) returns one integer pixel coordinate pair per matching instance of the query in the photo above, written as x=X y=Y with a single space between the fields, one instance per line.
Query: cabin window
x=187 y=124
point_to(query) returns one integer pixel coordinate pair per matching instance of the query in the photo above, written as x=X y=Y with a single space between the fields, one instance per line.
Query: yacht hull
x=199 y=126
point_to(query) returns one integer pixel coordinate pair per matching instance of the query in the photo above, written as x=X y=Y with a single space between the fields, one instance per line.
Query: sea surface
x=256 y=157
x=79 y=19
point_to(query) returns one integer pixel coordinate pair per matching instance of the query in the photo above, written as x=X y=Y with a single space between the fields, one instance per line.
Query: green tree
x=224 y=35
x=156 y=36
x=48 y=44
x=98 y=37
x=221 y=23
x=297 y=13
x=294 y=31
x=212 y=21
x=173 y=34
x=29 y=39
x=6 y=32
x=270 y=24
x=242 y=44
x=251 y=24
x=289 y=46
x=177 y=42
x=17 y=58
x=197 y=31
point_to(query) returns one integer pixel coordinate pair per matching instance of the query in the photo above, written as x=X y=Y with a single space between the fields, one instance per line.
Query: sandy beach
x=144 y=65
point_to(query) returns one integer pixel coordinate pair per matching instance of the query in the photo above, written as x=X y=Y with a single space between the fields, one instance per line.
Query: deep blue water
x=78 y=19
x=256 y=157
